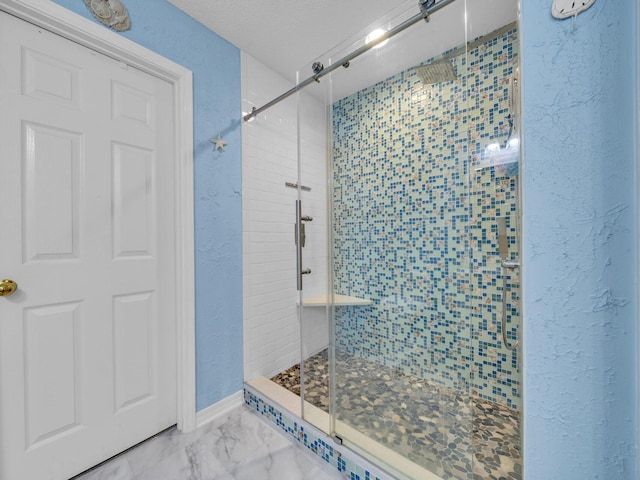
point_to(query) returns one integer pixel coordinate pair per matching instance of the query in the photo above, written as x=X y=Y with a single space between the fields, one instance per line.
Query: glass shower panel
x=494 y=236
x=410 y=316
x=400 y=249
x=270 y=167
x=314 y=323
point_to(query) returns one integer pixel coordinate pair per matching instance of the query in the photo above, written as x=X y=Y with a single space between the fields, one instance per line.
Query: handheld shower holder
x=509 y=264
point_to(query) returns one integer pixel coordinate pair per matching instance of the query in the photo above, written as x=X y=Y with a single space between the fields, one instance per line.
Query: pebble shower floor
x=451 y=434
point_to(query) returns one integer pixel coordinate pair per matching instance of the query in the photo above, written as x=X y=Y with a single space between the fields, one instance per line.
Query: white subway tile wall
x=272 y=333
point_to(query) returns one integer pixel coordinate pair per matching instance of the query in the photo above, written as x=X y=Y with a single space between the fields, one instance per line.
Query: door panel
x=52 y=364
x=87 y=343
x=51 y=184
x=134 y=335
x=49 y=78
x=131 y=104
x=133 y=198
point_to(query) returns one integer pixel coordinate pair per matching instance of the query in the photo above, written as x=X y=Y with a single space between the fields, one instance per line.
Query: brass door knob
x=7 y=287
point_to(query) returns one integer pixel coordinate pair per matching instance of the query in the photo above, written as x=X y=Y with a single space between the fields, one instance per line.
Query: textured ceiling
x=287 y=35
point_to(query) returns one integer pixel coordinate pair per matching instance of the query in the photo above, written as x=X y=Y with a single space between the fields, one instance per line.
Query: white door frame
x=59 y=20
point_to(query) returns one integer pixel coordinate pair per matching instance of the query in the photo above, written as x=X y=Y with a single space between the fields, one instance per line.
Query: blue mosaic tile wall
x=417 y=189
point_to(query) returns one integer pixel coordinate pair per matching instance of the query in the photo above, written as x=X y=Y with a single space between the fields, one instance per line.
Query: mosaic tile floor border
x=350 y=465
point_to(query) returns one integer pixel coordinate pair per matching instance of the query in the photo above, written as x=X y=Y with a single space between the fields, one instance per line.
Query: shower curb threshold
x=283 y=409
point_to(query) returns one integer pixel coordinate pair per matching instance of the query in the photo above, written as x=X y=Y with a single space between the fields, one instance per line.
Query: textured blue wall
x=580 y=258
x=579 y=215
x=159 y=26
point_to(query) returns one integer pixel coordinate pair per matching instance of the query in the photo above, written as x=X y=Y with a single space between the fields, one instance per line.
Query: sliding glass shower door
x=400 y=191
x=415 y=262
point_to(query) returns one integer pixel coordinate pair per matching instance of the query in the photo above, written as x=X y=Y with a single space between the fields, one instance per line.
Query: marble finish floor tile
x=115 y=469
x=238 y=446
x=449 y=433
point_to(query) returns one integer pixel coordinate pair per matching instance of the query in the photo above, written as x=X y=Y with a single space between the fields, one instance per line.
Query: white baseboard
x=219 y=409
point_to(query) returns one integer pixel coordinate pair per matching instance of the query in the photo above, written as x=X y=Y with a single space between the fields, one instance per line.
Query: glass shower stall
x=406 y=191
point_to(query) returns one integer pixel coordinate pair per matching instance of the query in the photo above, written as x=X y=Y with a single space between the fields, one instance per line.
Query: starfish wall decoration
x=220 y=144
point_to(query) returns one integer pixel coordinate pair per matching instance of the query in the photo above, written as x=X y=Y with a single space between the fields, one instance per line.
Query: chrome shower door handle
x=300 y=234
x=299 y=244
x=300 y=241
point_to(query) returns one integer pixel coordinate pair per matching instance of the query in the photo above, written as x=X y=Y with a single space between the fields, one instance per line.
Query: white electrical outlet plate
x=569 y=8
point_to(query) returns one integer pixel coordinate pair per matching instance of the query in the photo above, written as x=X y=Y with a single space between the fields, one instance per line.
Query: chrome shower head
x=436 y=72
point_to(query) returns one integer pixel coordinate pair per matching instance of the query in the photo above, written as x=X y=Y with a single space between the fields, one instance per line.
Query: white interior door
x=87 y=342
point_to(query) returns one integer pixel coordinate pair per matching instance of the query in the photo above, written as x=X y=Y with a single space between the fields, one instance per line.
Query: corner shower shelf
x=340 y=301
